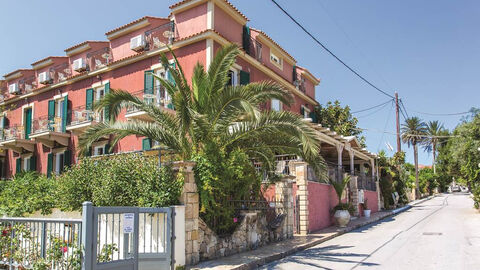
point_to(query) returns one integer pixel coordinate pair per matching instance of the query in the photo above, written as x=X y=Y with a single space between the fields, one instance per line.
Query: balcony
x=158 y=97
x=254 y=49
x=27 y=85
x=13 y=138
x=99 y=58
x=160 y=36
x=60 y=73
x=366 y=182
x=49 y=132
x=82 y=118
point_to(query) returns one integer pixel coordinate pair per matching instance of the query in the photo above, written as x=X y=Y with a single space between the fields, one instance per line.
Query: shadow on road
x=314 y=256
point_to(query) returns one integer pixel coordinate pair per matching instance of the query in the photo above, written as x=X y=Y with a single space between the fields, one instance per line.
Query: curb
x=254 y=264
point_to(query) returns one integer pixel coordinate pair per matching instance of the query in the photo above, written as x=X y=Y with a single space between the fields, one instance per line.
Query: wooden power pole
x=397 y=108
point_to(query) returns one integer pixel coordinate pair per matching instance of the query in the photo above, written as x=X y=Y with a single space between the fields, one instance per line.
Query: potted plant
x=341 y=210
x=366 y=211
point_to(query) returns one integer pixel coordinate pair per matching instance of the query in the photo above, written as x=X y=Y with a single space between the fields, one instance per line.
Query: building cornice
x=78 y=49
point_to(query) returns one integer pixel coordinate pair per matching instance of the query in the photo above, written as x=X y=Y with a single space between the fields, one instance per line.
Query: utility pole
x=397 y=108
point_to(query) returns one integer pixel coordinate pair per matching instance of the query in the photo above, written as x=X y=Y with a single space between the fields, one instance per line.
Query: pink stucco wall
x=191 y=21
x=372 y=197
x=321 y=199
x=227 y=26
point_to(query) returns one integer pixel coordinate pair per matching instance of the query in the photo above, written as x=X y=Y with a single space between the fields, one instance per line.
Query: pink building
x=48 y=106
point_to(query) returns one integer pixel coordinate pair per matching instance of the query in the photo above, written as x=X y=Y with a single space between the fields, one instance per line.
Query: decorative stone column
x=284 y=194
x=302 y=192
x=354 y=193
x=379 y=194
x=190 y=199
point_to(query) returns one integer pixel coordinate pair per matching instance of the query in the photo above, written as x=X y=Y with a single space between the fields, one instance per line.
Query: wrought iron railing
x=82 y=115
x=157 y=96
x=27 y=85
x=255 y=49
x=366 y=182
x=12 y=132
x=46 y=123
x=99 y=58
x=160 y=36
x=60 y=73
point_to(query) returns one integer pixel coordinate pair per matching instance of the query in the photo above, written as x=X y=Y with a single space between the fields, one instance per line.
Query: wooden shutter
x=302 y=111
x=51 y=114
x=148 y=83
x=33 y=163
x=294 y=73
x=246 y=39
x=49 y=164
x=89 y=99
x=67 y=158
x=107 y=110
x=169 y=74
x=18 y=165
x=146 y=144
x=28 y=123
x=107 y=149
x=244 y=77
x=313 y=115
x=64 y=114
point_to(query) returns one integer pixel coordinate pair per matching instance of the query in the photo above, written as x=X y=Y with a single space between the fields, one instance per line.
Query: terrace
x=156 y=96
x=81 y=119
x=13 y=138
x=99 y=58
x=49 y=131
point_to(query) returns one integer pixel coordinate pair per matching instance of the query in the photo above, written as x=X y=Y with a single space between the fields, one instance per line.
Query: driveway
x=441 y=233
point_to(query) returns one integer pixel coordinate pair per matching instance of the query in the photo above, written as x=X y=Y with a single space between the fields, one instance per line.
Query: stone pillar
x=284 y=193
x=352 y=161
x=302 y=192
x=354 y=193
x=339 y=158
x=379 y=195
x=190 y=199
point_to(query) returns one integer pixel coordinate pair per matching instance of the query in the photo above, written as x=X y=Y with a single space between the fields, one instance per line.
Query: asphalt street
x=441 y=233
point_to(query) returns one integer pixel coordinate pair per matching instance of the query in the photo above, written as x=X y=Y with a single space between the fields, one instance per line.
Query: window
x=276 y=105
x=59 y=162
x=99 y=94
x=258 y=50
x=305 y=112
x=232 y=77
x=161 y=95
x=26 y=164
x=276 y=60
x=99 y=150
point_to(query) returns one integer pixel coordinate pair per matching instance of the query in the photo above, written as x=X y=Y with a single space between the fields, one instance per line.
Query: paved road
x=441 y=233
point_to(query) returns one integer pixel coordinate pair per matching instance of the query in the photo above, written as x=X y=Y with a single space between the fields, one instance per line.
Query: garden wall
x=372 y=201
x=321 y=199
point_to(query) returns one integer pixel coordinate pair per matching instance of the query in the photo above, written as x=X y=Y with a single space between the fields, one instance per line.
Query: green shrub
x=122 y=180
x=220 y=179
x=26 y=193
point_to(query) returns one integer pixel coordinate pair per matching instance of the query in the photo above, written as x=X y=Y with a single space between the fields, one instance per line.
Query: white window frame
x=97 y=148
x=56 y=161
x=275 y=103
x=306 y=112
x=157 y=85
x=26 y=163
x=235 y=76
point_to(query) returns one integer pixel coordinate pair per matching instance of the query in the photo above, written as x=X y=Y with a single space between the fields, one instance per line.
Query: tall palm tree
x=413 y=133
x=209 y=112
x=434 y=129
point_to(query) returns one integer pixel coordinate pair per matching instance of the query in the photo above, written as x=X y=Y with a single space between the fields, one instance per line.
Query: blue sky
x=428 y=51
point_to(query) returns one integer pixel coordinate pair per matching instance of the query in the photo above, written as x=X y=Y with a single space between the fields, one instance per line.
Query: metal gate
x=127 y=238
x=296 y=210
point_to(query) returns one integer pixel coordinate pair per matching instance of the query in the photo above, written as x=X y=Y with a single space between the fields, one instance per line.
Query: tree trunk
x=415 y=158
x=434 y=148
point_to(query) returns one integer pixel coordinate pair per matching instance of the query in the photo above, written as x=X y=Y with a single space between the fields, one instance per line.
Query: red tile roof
x=308 y=71
x=83 y=43
x=13 y=72
x=132 y=23
x=49 y=57
x=226 y=1
x=273 y=41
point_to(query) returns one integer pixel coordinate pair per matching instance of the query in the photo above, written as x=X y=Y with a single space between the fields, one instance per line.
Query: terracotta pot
x=342 y=217
x=366 y=212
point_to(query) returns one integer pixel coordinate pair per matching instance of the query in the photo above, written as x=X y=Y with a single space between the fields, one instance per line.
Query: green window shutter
x=51 y=114
x=294 y=73
x=148 y=82
x=313 y=115
x=246 y=38
x=244 y=77
x=89 y=152
x=89 y=99
x=49 y=164
x=107 y=148
x=65 y=114
x=170 y=76
x=33 y=163
x=18 y=165
x=28 y=123
x=146 y=144
x=302 y=110
x=67 y=158
x=107 y=110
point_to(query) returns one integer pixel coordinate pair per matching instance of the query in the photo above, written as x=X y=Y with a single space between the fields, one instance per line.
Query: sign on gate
x=128 y=221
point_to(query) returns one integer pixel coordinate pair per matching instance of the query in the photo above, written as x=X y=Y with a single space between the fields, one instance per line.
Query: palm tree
x=413 y=133
x=434 y=129
x=208 y=112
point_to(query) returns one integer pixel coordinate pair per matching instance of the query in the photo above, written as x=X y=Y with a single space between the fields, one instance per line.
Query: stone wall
x=252 y=232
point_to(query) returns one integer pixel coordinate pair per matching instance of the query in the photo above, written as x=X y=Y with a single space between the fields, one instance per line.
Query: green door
x=28 y=123
x=65 y=114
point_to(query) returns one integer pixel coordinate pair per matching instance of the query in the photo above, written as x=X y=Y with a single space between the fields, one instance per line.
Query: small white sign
x=128 y=219
x=272 y=204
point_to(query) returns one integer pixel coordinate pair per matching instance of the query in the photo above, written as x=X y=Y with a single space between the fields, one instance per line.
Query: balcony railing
x=99 y=58
x=366 y=182
x=158 y=97
x=160 y=36
x=60 y=73
x=44 y=124
x=81 y=115
x=12 y=132
x=254 y=49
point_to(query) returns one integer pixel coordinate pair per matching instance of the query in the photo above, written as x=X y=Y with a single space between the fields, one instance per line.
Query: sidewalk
x=254 y=258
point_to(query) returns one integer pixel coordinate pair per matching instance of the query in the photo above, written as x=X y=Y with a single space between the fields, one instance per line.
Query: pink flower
x=235 y=220
x=64 y=249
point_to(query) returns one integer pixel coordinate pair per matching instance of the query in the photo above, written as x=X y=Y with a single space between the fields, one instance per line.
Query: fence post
x=354 y=193
x=43 y=239
x=87 y=235
x=284 y=194
x=302 y=192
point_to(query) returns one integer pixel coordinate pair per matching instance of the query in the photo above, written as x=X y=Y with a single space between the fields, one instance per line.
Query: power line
x=330 y=52
x=403 y=106
x=373 y=107
x=374 y=112
x=385 y=128
x=442 y=114
x=394 y=133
